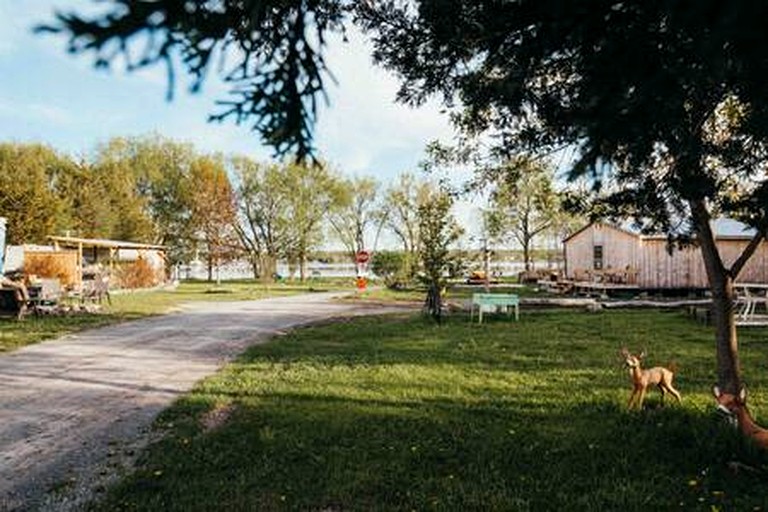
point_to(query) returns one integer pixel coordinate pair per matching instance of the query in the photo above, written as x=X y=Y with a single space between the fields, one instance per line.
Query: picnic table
x=750 y=297
x=492 y=302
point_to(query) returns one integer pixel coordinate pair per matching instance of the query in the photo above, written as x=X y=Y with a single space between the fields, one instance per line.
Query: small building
x=612 y=254
x=131 y=264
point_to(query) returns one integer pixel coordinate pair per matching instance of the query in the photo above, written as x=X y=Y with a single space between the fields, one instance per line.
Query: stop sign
x=363 y=257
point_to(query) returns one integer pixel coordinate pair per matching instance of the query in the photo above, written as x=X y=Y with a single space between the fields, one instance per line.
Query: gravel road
x=75 y=411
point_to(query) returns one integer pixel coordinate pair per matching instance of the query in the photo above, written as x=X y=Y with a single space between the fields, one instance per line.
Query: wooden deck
x=592 y=288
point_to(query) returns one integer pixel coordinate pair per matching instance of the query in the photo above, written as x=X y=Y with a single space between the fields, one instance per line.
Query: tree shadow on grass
x=285 y=452
x=395 y=414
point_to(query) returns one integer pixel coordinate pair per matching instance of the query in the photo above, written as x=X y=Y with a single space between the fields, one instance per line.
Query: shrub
x=61 y=265
x=392 y=267
x=138 y=274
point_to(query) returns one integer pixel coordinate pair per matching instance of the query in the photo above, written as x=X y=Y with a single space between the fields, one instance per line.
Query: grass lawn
x=127 y=306
x=396 y=413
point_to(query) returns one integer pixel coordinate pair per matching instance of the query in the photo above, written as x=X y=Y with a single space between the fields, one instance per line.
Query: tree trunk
x=728 y=367
x=256 y=266
x=302 y=267
x=723 y=302
x=433 y=306
x=527 y=253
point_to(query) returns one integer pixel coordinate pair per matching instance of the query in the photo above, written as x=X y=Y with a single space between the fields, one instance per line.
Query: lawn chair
x=96 y=290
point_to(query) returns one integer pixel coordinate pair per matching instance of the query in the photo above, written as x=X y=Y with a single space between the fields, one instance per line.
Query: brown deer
x=736 y=407
x=641 y=379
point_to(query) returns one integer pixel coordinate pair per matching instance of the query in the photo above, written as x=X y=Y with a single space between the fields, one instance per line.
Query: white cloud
x=49 y=113
x=363 y=122
x=363 y=131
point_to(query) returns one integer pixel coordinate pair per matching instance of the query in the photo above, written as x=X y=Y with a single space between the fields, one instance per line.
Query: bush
x=138 y=274
x=392 y=267
x=61 y=265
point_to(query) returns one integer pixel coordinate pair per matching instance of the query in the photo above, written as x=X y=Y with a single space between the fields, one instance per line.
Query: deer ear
x=624 y=351
x=642 y=354
x=716 y=391
x=743 y=395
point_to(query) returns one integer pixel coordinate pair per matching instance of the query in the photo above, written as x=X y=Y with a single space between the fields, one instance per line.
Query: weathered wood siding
x=657 y=268
x=756 y=270
x=660 y=269
x=685 y=267
x=620 y=249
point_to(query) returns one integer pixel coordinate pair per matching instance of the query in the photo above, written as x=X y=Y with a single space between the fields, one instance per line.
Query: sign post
x=361 y=259
x=2 y=244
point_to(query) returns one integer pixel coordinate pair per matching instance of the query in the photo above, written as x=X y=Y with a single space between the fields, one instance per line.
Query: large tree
x=29 y=177
x=213 y=211
x=525 y=201
x=356 y=214
x=160 y=170
x=310 y=194
x=439 y=231
x=262 y=208
x=400 y=214
x=665 y=100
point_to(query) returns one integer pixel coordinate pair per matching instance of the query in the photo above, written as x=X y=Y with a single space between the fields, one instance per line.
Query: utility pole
x=3 y=221
x=487 y=264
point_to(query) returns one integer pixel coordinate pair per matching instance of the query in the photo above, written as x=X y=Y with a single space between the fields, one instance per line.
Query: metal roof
x=723 y=229
x=102 y=242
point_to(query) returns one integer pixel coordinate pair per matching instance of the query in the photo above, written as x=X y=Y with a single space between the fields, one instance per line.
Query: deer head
x=729 y=404
x=632 y=360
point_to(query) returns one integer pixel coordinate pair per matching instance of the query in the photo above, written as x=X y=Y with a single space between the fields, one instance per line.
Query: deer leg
x=633 y=399
x=663 y=393
x=674 y=392
x=641 y=397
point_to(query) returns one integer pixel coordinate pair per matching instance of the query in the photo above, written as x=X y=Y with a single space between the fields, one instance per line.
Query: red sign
x=363 y=257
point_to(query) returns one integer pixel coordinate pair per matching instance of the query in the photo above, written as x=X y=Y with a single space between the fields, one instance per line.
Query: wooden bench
x=485 y=301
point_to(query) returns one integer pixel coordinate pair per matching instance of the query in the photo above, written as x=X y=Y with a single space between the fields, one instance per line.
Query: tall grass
x=398 y=414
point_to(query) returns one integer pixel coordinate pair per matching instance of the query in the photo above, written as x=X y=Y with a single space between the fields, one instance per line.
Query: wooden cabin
x=131 y=264
x=602 y=252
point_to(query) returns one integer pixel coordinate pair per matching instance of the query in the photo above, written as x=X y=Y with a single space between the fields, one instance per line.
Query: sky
x=50 y=96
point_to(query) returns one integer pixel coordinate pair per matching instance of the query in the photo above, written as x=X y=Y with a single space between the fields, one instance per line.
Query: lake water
x=242 y=270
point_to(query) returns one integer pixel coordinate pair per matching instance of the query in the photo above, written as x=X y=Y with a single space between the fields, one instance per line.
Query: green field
x=397 y=413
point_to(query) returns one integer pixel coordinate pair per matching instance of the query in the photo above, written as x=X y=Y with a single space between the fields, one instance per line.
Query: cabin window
x=598 y=257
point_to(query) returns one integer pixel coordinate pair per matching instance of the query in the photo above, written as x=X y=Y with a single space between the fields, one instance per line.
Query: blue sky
x=49 y=96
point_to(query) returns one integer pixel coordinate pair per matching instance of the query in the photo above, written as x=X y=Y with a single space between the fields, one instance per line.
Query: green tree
x=664 y=100
x=525 y=201
x=262 y=204
x=29 y=175
x=109 y=206
x=439 y=230
x=310 y=194
x=160 y=170
x=400 y=213
x=391 y=266
x=213 y=211
x=355 y=214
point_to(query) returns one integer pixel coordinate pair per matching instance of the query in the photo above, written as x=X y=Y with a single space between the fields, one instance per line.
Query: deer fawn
x=641 y=379
x=736 y=407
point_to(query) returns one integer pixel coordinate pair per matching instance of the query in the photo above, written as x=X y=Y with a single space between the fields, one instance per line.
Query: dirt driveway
x=74 y=411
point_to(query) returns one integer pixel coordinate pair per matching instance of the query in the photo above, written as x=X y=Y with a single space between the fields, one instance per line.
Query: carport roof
x=102 y=242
